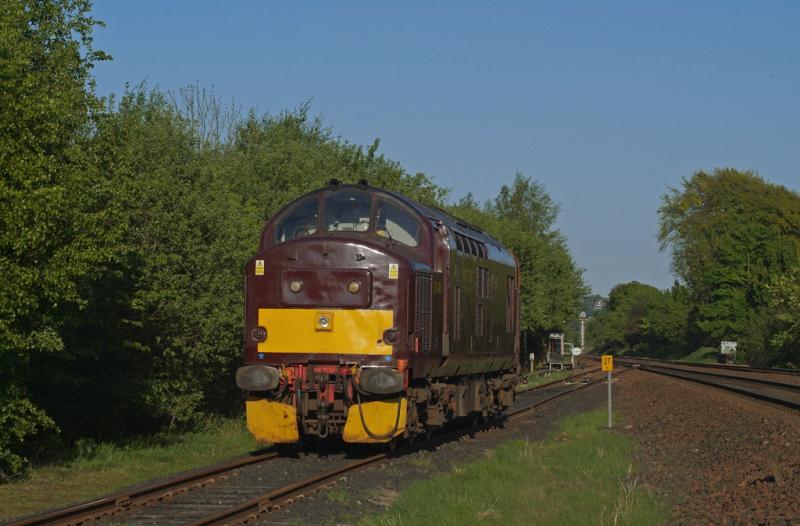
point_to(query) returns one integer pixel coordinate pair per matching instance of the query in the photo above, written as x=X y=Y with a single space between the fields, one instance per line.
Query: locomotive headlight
x=295 y=286
x=258 y=334
x=353 y=287
x=323 y=321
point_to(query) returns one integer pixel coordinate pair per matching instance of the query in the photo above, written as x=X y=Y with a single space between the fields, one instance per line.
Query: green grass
x=701 y=355
x=581 y=475
x=106 y=467
x=535 y=379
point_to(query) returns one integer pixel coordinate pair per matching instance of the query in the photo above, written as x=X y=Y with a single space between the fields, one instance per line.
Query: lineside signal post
x=607 y=366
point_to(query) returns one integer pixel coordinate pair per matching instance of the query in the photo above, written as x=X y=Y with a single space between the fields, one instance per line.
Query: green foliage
x=784 y=308
x=53 y=223
x=731 y=233
x=522 y=217
x=125 y=225
x=641 y=319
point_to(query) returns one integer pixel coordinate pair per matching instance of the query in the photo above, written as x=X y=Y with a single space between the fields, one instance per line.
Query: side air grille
x=482 y=282
x=423 y=322
x=458 y=315
x=479 y=319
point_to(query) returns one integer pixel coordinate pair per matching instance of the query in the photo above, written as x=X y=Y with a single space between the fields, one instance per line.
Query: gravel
x=714 y=456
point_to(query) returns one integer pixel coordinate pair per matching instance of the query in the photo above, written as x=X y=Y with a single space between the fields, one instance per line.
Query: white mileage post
x=607 y=366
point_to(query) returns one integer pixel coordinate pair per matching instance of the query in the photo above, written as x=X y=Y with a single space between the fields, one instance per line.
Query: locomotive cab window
x=394 y=222
x=299 y=221
x=347 y=212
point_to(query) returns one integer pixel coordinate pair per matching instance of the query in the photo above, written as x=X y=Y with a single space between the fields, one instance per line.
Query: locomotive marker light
x=390 y=335
x=295 y=286
x=607 y=366
x=353 y=287
x=258 y=334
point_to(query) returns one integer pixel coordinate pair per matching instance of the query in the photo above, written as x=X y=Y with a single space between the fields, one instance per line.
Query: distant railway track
x=779 y=386
x=722 y=366
x=251 y=506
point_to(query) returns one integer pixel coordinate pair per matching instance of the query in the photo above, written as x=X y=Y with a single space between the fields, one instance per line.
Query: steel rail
x=703 y=377
x=142 y=495
x=139 y=496
x=721 y=366
x=278 y=498
x=686 y=368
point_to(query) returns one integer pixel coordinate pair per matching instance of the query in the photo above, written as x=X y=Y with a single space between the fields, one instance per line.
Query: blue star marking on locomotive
x=261 y=356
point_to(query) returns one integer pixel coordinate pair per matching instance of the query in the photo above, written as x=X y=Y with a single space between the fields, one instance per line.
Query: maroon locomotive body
x=371 y=316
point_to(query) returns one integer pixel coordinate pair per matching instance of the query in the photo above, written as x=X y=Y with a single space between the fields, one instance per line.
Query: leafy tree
x=522 y=216
x=53 y=228
x=784 y=308
x=730 y=232
x=643 y=320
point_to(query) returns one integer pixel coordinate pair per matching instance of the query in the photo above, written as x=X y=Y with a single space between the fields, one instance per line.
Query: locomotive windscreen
x=347 y=211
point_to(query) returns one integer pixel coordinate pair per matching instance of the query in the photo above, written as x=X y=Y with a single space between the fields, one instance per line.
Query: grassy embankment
x=108 y=467
x=582 y=474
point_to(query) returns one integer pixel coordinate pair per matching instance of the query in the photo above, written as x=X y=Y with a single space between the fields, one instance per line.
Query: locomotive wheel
x=428 y=433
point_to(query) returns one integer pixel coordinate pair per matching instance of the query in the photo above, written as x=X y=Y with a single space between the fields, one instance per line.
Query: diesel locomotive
x=370 y=316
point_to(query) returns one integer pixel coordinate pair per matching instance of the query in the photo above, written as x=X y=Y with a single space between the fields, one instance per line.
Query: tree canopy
x=125 y=224
x=730 y=233
x=735 y=244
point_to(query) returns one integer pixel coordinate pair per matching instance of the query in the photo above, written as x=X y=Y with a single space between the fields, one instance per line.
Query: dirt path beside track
x=716 y=457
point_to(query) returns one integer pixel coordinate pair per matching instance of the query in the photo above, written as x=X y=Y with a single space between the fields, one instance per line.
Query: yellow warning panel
x=270 y=421
x=608 y=363
x=259 y=267
x=356 y=331
x=382 y=421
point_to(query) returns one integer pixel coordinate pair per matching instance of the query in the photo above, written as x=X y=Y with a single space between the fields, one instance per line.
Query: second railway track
x=779 y=387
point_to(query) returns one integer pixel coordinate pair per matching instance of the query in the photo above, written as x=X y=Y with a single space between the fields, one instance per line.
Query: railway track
x=780 y=387
x=144 y=495
x=243 y=491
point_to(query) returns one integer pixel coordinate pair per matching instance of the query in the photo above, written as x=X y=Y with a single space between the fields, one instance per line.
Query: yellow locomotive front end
x=328 y=340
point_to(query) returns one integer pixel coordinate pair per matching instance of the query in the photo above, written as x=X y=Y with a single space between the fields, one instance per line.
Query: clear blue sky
x=606 y=105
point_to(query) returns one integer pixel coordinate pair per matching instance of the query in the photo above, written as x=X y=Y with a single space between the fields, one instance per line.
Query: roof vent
x=334 y=184
x=363 y=184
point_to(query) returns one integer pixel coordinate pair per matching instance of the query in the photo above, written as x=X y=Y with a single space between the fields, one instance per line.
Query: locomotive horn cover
x=380 y=380
x=257 y=378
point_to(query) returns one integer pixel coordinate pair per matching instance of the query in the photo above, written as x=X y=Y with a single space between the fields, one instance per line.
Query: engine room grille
x=482 y=281
x=423 y=312
x=458 y=314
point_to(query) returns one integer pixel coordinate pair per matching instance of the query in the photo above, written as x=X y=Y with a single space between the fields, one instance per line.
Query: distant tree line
x=125 y=224
x=735 y=244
